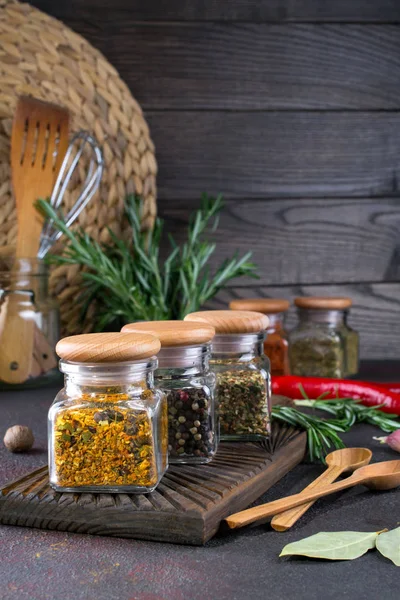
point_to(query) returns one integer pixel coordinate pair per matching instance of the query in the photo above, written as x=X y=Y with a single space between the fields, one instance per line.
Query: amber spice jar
x=276 y=345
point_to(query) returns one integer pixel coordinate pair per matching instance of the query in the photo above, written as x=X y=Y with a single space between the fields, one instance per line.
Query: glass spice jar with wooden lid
x=243 y=389
x=184 y=375
x=276 y=346
x=322 y=344
x=108 y=425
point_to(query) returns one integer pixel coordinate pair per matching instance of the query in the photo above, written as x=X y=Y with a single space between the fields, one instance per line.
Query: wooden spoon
x=379 y=476
x=39 y=141
x=346 y=460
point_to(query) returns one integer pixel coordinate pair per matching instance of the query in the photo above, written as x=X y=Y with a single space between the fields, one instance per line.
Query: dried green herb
x=352 y=351
x=242 y=400
x=337 y=545
x=312 y=356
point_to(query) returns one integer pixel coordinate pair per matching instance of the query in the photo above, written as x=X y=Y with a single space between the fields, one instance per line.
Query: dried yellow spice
x=108 y=446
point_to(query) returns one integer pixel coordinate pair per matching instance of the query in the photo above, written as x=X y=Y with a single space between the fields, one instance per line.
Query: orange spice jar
x=276 y=345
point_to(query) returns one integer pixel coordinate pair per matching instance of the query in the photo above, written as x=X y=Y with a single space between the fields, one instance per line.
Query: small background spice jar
x=243 y=389
x=322 y=345
x=29 y=324
x=108 y=426
x=276 y=346
x=184 y=375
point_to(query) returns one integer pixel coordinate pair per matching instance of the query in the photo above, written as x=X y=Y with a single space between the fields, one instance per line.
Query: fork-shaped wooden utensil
x=39 y=141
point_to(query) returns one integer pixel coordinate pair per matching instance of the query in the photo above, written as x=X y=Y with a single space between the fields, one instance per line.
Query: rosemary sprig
x=352 y=412
x=322 y=434
x=131 y=282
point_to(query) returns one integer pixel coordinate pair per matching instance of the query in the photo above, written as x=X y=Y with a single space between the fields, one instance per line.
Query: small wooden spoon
x=38 y=144
x=379 y=476
x=345 y=460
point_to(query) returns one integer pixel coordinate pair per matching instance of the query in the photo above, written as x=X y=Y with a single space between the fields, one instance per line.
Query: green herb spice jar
x=108 y=425
x=243 y=389
x=352 y=345
x=322 y=344
x=185 y=377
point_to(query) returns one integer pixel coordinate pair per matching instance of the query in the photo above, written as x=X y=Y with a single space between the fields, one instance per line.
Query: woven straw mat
x=41 y=57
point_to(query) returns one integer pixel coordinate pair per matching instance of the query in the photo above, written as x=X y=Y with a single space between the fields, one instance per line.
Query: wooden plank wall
x=292 y=111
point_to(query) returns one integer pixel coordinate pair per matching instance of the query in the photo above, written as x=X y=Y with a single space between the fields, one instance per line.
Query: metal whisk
x=50 y=234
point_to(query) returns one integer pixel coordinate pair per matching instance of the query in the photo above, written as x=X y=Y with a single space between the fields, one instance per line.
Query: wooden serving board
x=186 y=508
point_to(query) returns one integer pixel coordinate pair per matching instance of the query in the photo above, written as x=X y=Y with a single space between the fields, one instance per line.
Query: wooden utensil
x=39 y=141
x=379 y=476
x=345 y=460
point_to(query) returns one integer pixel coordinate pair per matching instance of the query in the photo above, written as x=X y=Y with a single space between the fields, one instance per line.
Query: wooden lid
x=323 y=303
x=107 y=347
x=267 y=306
x=228 y=321
x=174 y=333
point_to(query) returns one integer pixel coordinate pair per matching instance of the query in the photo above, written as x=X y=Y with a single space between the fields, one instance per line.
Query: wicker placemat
x=40 y=56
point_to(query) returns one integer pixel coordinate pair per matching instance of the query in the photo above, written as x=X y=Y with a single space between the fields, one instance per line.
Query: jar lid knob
x=323 y=302
x=107 y=347
x=231 y=322
x=174 y=333
x=267 y=306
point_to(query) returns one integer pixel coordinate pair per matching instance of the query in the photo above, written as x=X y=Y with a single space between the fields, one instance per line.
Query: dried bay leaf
x=388 y=544
x=336 y=545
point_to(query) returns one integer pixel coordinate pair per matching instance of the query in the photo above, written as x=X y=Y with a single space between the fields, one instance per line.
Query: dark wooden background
x=291 y=109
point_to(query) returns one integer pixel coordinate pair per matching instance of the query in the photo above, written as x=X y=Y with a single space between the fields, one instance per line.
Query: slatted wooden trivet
x=187 y=507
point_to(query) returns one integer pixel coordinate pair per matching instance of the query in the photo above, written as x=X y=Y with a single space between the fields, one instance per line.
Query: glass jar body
x=352 y=340
x=108 y=433
x=189 y=385
x=24 y=296
x=276 y=345
x=243 y=390
x=317 y=345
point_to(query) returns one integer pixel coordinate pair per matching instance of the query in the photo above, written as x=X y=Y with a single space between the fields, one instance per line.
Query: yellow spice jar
x=108 y=425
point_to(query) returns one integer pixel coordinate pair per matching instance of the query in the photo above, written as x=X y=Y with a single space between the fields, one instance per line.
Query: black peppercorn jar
x=184 y=376
x=243 y=388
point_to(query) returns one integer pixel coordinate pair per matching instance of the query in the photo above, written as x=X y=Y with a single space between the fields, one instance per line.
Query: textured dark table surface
x=39 y=565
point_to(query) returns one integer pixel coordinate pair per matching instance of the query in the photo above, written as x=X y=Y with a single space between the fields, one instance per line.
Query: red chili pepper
x=393 y=386
x=370 y=394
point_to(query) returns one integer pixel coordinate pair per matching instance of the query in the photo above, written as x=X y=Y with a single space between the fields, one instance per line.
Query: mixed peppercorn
x=190 y=424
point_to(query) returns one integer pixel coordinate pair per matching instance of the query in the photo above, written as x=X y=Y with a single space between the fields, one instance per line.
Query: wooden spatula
x=39 y=141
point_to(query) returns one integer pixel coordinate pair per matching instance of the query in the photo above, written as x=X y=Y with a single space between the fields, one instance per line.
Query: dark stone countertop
x=40 y=565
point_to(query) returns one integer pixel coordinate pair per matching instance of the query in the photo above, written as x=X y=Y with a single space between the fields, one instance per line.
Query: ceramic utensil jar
x=108 y=426
x=242 y=371
x=25 y=280
x=276 y=346
x=184 y=375
x=322 y=344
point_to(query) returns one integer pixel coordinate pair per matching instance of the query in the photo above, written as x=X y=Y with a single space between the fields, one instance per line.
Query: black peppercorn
x=187 y=413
